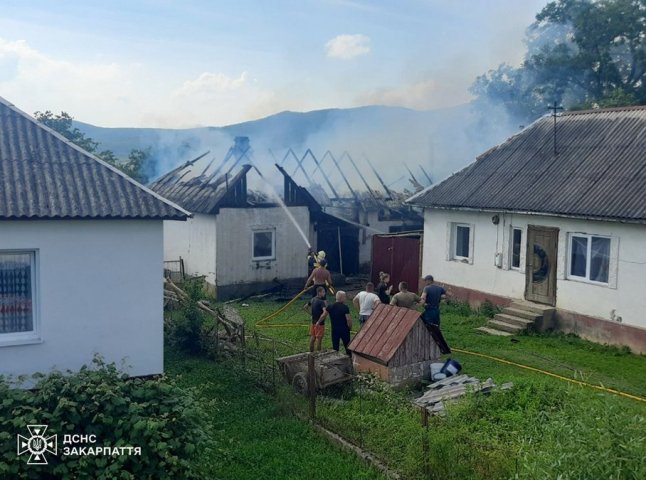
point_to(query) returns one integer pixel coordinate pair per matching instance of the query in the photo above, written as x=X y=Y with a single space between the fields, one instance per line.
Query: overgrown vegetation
x=157 y=415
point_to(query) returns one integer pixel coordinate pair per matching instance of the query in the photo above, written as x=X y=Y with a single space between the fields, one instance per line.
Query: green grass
x=257 y=437
x=542 y=428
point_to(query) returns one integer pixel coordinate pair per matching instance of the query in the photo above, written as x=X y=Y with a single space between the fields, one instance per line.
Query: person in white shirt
x=366 y=302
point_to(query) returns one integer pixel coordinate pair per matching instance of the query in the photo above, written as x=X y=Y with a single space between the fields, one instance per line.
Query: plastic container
x=451 y=367
x=436 y=368
x=439 y=376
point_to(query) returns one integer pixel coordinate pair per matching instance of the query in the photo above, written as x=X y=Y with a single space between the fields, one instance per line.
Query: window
x=589 y=258
x=264 y=245
x=17 y=296
x=516 y=244
x=461 y=248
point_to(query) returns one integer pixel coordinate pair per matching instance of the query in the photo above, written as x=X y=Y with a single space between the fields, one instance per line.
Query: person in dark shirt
x=318 y=308
x=431 y=298
x=383 y=289
x=341 y=321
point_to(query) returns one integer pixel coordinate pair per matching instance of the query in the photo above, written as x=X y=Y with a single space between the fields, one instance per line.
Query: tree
x=580 y=53
x=62 y=123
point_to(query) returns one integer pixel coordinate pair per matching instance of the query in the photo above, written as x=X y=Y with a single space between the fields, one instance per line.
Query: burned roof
x=44 y=176
x=204 y=193
x=384 y=332
x=598 y=172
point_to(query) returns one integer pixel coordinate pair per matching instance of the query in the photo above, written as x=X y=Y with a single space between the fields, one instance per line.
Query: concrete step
x=531 y=307
x=504 y=326
x=514 y=320
x=516 y=312
x=491 y=331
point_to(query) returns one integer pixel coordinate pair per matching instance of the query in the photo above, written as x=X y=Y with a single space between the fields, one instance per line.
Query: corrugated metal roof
x=201 y=194
x=599 y=171
x=43 y=175
x=384 y=332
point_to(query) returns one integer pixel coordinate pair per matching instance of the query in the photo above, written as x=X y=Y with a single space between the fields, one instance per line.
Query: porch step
x=504 y=326
x=517 y=312
x=491 y=331
x=515 y=320
x=531 y=307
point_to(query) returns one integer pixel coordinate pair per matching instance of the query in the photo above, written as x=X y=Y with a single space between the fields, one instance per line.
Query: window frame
x=454 y=242
x=588 y=260
x=272 y=231
x=32 y=336
x=511 y=249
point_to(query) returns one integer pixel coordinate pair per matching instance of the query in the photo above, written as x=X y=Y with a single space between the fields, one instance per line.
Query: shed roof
x=45 y=176
x=599 y=171
x=384 y=332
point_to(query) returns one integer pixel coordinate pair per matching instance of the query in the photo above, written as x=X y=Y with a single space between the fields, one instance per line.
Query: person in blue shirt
x=431 y=298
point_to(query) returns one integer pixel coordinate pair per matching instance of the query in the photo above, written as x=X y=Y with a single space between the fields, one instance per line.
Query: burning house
x=375 y=210
x=245 y=240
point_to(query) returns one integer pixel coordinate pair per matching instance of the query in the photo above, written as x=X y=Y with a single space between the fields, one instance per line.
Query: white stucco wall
x=623 y=295
x=98 y=290
x=194 y=241
x=234 y=243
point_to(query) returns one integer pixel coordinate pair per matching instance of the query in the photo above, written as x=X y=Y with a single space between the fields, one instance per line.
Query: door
x=540 y=264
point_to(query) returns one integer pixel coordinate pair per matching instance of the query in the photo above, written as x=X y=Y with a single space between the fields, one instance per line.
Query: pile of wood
x=452 y=388
x=228 y=330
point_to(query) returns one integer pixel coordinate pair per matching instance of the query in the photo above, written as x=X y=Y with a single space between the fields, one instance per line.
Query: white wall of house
x=98 y=290
x=371 y=218
x=234 y=245
x=622 y=296
x=194 y=241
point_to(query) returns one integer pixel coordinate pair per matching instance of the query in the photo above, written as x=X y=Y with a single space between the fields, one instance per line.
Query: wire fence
x=380 y=423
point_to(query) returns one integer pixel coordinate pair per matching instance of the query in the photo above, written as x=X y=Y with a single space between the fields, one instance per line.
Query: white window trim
x=612 y=261
x=521 y=257
x=273 y=244
x=27 y=338
x=452 y=243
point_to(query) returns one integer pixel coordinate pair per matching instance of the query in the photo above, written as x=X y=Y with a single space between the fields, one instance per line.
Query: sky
x=179 y=64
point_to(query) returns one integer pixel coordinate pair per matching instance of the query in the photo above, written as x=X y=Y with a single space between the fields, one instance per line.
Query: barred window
x=16 y=292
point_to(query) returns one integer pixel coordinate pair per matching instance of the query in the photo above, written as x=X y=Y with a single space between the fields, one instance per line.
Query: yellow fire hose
x=262 y=323
x=545 y=372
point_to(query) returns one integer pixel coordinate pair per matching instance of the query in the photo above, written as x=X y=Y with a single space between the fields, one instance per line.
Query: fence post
x=425 y=445
x=311 y=383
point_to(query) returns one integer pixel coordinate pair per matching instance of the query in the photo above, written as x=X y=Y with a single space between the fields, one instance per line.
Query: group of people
x=366 y=302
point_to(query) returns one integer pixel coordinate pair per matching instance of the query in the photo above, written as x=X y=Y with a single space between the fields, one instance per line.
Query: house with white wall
x=81 y=250
x=556 y=216
x=242 y=240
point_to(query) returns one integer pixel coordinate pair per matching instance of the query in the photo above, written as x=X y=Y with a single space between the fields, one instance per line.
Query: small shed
x=395 y=345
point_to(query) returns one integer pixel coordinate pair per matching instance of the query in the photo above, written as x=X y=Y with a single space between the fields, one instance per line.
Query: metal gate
x=399 y=255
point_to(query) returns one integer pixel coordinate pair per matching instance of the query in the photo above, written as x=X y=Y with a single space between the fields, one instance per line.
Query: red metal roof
x=384 y=332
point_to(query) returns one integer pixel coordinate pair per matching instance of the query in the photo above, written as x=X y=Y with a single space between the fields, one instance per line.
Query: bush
x=158 y=416
x=184 y=330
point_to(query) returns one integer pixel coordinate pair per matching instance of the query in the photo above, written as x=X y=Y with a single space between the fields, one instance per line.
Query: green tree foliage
x=581 y=54
x=134 y=166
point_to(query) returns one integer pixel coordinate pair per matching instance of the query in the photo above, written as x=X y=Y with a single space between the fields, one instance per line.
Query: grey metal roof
x=44 y=176
x=599 y=171
x=203 y=193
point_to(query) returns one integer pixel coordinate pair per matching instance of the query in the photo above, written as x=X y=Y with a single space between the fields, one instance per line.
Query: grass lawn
x=255 y=437
x=542 y=428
